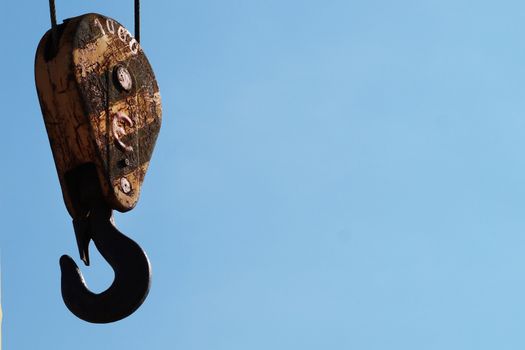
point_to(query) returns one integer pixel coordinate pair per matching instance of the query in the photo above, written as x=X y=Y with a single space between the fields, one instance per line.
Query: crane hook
x=129 y=262
x=102 y=111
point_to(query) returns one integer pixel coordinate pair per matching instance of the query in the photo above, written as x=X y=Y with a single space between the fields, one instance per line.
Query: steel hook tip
x=129 y=288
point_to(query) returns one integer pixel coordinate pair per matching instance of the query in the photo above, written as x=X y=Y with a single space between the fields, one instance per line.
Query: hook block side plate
x=101 y=105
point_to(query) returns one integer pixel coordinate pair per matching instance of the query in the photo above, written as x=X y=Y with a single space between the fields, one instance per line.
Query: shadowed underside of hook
x=129 y=262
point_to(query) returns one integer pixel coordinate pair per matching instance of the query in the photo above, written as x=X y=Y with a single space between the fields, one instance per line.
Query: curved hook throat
x=129 y=262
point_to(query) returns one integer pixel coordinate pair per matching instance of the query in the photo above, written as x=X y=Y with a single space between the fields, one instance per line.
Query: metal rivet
x=123 y=78
x=125 y=185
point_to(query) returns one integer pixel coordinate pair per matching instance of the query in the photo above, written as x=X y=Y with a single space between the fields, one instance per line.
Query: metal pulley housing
x=101 y=107
x=102 y=111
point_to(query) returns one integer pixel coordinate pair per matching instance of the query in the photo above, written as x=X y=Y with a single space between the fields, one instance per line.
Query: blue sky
x=329 y=175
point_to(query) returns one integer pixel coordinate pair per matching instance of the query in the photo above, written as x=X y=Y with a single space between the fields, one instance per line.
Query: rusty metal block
x=101 y=107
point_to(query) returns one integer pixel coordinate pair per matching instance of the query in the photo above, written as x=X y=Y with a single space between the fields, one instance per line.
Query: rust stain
x=79 y=96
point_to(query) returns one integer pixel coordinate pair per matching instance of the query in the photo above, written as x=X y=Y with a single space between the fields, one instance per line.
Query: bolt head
x=125 y=185
x=124 y=79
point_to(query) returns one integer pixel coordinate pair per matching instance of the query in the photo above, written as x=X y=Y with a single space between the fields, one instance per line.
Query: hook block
x=101 y=106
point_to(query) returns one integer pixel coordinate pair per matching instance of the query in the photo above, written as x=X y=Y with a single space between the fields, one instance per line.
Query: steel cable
x=53 y=15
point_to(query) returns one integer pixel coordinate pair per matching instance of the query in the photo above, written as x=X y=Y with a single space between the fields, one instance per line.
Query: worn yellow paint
x=93 y=57
x=76 y=137
x=100 y=123
x=67 y=128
